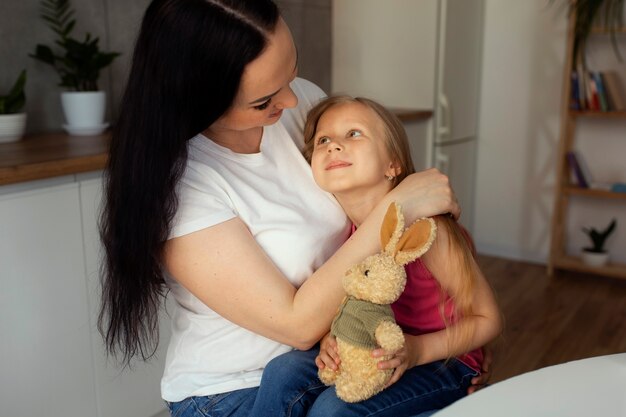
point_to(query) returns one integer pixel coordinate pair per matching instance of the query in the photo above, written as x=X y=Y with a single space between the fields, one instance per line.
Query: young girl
x=359 y=151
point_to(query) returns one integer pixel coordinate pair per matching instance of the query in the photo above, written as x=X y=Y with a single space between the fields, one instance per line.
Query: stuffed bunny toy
x=365 y=320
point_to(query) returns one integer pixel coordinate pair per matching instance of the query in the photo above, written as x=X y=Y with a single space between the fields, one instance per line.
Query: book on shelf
x=582 y=91
x=596 y=77
x=593 y=102
x=581 y=176
x=579 y=93
x=582 y=163
x=597 y=91
x=576 y=170
x=574 y=102
x=614 y=90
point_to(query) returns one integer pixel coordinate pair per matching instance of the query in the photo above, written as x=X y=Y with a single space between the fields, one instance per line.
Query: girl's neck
x=358 y=204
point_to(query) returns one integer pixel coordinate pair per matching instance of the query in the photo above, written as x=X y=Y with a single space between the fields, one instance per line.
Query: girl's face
x=349 y=151
x=264 y=90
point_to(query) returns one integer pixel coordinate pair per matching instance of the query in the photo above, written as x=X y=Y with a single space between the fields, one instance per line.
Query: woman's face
x=349 y=150
x=264 y=90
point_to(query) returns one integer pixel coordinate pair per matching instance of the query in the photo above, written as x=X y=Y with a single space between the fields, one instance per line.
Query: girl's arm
x=225 y=268
x=484 y=325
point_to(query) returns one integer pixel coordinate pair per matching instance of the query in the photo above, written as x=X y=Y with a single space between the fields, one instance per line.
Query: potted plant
x=596 y=255
x=78 y=65
x=12 y=119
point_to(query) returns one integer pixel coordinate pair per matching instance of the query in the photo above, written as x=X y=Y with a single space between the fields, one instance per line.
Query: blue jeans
x=228 y=404
x=290 y=388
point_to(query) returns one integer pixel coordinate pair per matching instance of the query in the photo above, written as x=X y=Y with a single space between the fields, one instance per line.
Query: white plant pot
x=12 y=127
x=595 y=258
x=84 y=112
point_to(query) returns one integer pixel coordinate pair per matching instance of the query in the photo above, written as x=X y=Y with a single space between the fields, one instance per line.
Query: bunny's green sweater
x=357 y=320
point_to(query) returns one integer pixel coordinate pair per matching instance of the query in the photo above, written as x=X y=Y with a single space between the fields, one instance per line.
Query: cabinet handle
x=444 y=118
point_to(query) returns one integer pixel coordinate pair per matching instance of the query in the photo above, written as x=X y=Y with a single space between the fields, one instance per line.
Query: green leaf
x=16 y=104
x=68 y=28
x=44 y=53
x=18 y=87
x=608 y=13
x=15 y=100
x=105 y=59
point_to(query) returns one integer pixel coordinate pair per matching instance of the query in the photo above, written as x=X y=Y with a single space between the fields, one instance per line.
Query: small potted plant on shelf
x=78 y=65
x=12 y=118
x=596 y=255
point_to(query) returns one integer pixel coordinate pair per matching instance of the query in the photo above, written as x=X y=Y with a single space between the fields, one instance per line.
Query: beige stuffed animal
x=365 y=320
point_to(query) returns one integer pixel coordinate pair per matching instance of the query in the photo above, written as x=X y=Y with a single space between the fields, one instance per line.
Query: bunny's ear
x=416 y=240
x=391 y=230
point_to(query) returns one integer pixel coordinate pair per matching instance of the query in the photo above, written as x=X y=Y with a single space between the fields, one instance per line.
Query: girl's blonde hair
x=397 y=145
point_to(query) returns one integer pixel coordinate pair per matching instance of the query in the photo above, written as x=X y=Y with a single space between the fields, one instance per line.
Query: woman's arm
x=225 y=268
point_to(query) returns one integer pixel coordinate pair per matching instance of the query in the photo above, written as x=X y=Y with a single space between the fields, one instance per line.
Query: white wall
x=523 y=54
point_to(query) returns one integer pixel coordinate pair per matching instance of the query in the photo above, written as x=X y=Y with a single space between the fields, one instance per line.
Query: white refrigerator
x=455 y=136
x=420 y=54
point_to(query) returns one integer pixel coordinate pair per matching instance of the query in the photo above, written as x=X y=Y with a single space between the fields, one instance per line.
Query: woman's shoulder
x=307 y=91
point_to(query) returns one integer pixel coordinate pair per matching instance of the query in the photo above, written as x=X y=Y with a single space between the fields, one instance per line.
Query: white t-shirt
x=298 y=225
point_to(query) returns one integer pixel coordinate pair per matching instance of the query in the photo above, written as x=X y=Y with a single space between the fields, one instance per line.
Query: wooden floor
x=551 y=320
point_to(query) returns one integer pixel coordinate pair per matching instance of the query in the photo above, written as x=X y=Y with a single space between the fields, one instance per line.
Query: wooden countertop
x=55 y=154
x=50 y=155
x=412 y=115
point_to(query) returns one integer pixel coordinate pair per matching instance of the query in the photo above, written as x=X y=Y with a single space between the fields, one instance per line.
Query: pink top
x=417 y=310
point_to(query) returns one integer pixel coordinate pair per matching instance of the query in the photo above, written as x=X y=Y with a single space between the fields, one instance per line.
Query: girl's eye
x=323 y=140
x=354 y=133
x=263 y=106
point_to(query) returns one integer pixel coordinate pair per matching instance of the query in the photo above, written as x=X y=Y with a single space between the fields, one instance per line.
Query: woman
x=208 y=197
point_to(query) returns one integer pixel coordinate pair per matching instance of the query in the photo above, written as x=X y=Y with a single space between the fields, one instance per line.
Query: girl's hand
x=329 y=355
x=398 y=362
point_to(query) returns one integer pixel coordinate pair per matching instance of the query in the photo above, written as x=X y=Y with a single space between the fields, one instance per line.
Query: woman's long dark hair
x=188 y=61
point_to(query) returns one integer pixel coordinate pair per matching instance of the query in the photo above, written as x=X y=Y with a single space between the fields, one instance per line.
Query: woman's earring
x=390 y=177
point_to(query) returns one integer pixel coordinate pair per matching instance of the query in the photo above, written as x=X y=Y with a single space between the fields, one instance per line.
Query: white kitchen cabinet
x=51 y=354
x=45 y=349
x=118 y=393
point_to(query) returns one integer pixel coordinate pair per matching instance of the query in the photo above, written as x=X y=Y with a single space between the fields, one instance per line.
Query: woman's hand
x=425 y=194
x=329 y=355
x=398 y=362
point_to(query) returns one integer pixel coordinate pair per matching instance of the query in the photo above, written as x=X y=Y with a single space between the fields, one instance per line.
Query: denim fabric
x=421 y=389
x=228 y=404
x=290 y=387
